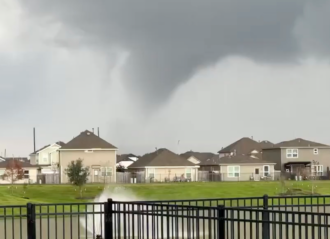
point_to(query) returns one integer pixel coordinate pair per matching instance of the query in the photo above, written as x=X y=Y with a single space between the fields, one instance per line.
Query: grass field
x=67 y=193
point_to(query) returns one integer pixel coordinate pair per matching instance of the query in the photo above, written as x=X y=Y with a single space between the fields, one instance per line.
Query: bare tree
x=13 y=172
x=55 y=167
x=314 y=167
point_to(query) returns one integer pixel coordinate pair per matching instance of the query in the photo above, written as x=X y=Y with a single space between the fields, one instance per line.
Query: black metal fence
x=228 y=218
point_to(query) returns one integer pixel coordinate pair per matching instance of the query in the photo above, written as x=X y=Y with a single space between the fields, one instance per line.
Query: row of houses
x=246 y=159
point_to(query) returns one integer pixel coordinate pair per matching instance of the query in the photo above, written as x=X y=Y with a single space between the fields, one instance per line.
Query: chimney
x=234 y=152
x=251 y=137
x=93 y=130
x=98 y=131
x=34 y=139
x=4 y=154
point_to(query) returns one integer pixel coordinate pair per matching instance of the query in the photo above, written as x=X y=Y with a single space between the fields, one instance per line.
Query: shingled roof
x=298 y=142
x=87 y=140
x=25 y=163
x=246 y=145
x=161 y=158
x=200 y=156
x=266 y=144
x=242 y=146
x=238 y=159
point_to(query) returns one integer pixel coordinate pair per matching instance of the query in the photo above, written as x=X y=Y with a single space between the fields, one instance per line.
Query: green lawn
x=68 y=194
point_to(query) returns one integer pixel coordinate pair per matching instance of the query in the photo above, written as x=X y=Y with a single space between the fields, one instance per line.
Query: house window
x=233 y=171
x=292 y=153
x=151 y=172
x=316 y=151
x=317 y=170
x=188 y=173
x=26 y=174
x=266 y=170
x=106 y=171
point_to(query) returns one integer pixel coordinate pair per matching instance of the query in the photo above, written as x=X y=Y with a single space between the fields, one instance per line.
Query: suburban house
x=245 y=146
x=239 y=161
x=125 y=160
x=96 y=153
x=298 y=155
x=238 y=168
x=163 y=165
x=47 y=158
x=30 y=171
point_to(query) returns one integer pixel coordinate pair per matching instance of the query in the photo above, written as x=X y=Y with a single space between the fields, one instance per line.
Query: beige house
x=96 y=153
x=297 y=155
x=30 y=171
x=164 y=166
x=240 y=168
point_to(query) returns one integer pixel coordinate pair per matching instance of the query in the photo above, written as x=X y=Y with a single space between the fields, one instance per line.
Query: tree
x=77 y=174
x=13 y=172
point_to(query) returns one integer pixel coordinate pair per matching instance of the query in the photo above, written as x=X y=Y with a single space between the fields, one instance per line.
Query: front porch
x=297 y=167
x=303 y=170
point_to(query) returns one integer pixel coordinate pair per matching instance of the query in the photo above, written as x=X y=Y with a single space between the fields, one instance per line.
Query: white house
x=47 y=157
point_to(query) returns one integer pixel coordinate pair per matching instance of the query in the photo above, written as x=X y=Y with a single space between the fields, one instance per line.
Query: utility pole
x=34 y=139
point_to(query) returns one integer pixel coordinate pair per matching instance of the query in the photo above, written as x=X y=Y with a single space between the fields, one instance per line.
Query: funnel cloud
x=169 y=41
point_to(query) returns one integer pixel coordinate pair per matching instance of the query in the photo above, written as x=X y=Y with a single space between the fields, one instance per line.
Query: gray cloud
x=169 y=41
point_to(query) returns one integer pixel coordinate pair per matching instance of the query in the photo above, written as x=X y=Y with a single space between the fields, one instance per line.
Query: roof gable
x=161 y=158
x=58 y=143
x=87 y=140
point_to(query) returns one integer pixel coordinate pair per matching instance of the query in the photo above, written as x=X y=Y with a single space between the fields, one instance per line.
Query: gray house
x=298 y=155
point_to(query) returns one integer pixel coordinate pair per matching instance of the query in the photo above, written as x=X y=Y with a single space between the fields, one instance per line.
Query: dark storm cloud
x=169 y=40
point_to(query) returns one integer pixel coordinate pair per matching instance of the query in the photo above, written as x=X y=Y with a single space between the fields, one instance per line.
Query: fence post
x=31 y=221
x=265 y=219
x=108 y=228
x=221 y=222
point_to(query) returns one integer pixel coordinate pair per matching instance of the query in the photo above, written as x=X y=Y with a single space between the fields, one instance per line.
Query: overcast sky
x=151 y=73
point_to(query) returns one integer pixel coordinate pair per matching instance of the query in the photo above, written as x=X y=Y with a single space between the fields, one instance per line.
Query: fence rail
x=227 y=218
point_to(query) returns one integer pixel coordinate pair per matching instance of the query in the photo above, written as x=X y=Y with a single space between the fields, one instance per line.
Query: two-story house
x=97 y=154
x=47 y=157
x=299 y=154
